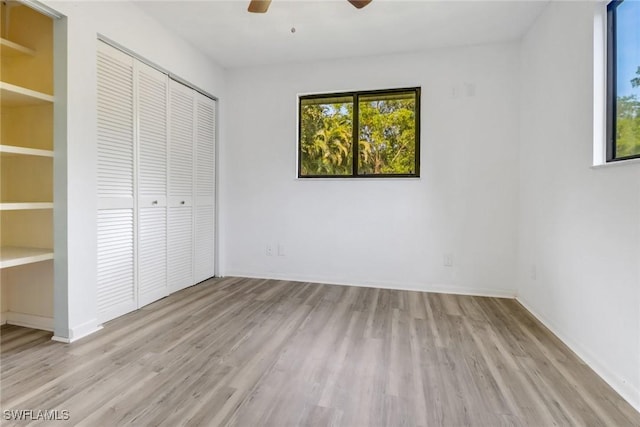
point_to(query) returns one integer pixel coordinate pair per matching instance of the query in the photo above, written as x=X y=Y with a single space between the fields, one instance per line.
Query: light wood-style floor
x=251 y=352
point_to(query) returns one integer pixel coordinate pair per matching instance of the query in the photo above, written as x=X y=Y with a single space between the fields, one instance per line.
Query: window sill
x=364 y=178
x=616 y=164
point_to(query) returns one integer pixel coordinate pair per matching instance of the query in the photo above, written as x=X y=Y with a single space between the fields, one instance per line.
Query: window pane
x=628 y=79
x=326 y=136
x=387 y=134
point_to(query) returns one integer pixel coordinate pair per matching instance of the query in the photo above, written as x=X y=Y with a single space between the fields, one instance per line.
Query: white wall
x=580 y=226
x=381 y=232
x=126 y=24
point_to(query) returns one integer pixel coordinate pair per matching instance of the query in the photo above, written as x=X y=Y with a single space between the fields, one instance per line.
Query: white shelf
x=11 y=256
x=21 y=206
x=15 y=150
x=9 y=49
x=16 y=96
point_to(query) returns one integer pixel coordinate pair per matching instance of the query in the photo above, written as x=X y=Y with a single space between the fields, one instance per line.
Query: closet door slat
x=116 y=279
x=181 y=117
x=204 y=188
x=115 y=131
x=152 y=89
x=180 y=255
x=152 y=254
x=180 y=196
x=116 y=285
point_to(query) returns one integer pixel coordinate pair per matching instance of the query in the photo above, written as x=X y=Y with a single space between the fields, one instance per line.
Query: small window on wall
x=385 y=126
x=623 y=80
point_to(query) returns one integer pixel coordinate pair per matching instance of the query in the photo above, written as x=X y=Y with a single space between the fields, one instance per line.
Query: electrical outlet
x=280 y=249
x=470 y=90
x=447 y=260
x=269 y=250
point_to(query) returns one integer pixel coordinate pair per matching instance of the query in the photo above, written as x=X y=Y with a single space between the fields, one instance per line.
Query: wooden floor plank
x=248 y=352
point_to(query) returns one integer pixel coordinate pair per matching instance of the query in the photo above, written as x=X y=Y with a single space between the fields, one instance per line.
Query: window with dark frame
x=385 y=124
x=623 y=80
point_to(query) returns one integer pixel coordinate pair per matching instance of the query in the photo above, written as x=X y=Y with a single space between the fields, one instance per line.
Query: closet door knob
x=182 y=202
x=155 y=202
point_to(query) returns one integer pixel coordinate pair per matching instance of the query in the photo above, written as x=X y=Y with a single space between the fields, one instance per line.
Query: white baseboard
x=46 y=324
x=627 y=391
x=29 y=321
x=79 y=332
x=83 y=330
x=401 y=286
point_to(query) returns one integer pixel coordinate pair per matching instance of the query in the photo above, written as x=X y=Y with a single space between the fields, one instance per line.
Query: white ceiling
x=327 y=29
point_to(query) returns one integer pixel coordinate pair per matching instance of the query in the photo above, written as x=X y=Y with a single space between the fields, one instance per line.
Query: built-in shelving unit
x=26 y=166
x=12 y=256
x=15 y=96
x=21 y=206
x=9 y=150
x=11 y=49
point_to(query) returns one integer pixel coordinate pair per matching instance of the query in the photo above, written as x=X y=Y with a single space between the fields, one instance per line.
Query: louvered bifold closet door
x=180 y=200
x=116 y=292
x=152 y=89
x=204 y=199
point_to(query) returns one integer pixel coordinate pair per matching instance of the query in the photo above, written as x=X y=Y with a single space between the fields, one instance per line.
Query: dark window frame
x=612 y=77
x=356 y=130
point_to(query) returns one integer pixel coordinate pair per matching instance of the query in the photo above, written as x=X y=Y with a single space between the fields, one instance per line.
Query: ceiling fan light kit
x=359 y=4
x=261 y=6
